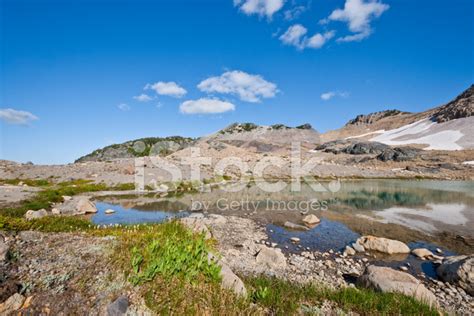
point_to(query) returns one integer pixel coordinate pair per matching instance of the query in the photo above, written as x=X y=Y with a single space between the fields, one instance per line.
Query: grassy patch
x=46 y=224
x=285 y=298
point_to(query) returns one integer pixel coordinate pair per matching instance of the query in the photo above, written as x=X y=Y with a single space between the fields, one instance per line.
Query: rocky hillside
x=264 y=138
x=447 y=127
x=161 y=146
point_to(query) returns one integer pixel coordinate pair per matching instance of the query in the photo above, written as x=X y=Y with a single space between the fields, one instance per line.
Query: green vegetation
x=46 y=224
x=285 y=298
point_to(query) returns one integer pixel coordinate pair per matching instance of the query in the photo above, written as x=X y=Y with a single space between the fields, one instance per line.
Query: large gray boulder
x=77 y=206
x=229 y=280
x=384 y=279
x=383 y=245
x=271 y=257
x=458 y=270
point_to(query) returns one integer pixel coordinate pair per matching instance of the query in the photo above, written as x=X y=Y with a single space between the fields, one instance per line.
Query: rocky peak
x=365 y=119
x=462 y=106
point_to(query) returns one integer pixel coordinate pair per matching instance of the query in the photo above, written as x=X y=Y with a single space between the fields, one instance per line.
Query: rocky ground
x=71 y=273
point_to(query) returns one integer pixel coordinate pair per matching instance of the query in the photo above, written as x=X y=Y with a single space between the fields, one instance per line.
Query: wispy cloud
x=170 y=88
x=205 y=106
x=358 y=14
x=123 y=107
x=248 y=87
x=331 y=94
x=296 y=36
x=143 y=97
x=294 y=13
x=17 y=117
x=260 y=7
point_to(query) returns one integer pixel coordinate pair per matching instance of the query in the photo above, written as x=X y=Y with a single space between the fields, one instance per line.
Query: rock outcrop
x=271 y=257
x=77 y=206
x=385 y=279
x=458 y=270
x=462 y=106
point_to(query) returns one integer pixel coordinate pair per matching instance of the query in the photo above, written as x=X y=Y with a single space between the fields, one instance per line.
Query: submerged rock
x=294 y=226
x=36 y=214
x=458 y=270
x=384 y=279
x=422 y=253
x=384 y=245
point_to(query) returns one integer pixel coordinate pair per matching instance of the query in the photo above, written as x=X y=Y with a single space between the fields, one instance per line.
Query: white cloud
x=171 y=89
x=205 y=106
x=123 y=107
x=358 y=14
x=143 y=97
x=293 y=36
x=17 y=117
x=331 y=94
x=296 y=36
x=260 y=7
x=294 y=13
x=249 y=88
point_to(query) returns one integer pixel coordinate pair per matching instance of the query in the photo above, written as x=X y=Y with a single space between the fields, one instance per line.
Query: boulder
x=118 y=307
x=384 y=279
x=109 y=211
x=36 y=214
x=271 y=257
x=3 y=249
x=458 y=270
x=294 y=226
x=358 y=247
x=384 y=245
x=422 y=253
x=77 y=206
x=349 y=251
x=12 y=304
x=197 y=226
x=311 y=220
x=230 y=281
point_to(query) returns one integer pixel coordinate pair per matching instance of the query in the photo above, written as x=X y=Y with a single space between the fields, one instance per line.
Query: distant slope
x=264 y=138
x=161 y=146
x=448 y=127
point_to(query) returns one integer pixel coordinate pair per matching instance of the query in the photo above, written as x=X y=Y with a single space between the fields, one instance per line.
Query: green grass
x=46 y=224
x=285 y=298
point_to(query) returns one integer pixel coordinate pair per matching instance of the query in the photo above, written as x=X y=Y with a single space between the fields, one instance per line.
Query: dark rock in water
x=458 y=270
x=398 y=154
x=118 y=307
x=363 y=148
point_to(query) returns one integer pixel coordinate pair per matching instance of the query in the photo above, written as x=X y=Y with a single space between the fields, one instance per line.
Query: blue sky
x=70 y=69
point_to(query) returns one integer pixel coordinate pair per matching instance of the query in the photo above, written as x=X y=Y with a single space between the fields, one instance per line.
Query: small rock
x=295 y=239
x=403 y=268
x=109 y=211
x=55 y=211
x=357 y=247
x=311 y=220
x=118 y=307
x=439 y=250
x=12 y=304
x=349 y=251
x=36 y=214
x=384 y=245
x=66 y=198
x=422 y=253
x=229 y=280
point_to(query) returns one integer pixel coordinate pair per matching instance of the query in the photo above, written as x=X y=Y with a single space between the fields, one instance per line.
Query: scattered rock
x=35 y=214
x=66 y=198
x=349 y=251
x=3 y=249
x=271 y=257
x=385 y=279
x=439 y=250
x=294 y=226
x=422 y=253
x=311 y=220
x=55 y=211
x=458 y=270
x=384 y=245
x=77 y=206
x=12 y=304
x=295 y=239
x=109 y=211
x=403 y=268
x=118 y=307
